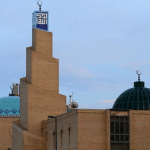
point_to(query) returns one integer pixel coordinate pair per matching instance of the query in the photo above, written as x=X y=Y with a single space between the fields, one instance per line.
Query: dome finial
x=139 y=73
x=11 y=87
x=39 y=5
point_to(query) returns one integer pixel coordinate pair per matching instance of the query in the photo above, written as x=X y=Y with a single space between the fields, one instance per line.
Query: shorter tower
x=15 y=90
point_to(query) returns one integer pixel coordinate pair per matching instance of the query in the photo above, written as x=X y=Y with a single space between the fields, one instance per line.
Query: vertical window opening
x=69 y=134
x=61 y=136
x=122 y=127
x=117 y=128
x=46 y=136
x=54 y=142
x=112 y=127
x=119 y=133
x=127 y=127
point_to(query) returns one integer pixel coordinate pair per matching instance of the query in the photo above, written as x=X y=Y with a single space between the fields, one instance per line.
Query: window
x=126 y=127
x=122 y=127
x=112 y=138
x=69 y=130
x=117 y=127
x=112 y=127
x=54 y=141
x=61 y=136
x=119 y=132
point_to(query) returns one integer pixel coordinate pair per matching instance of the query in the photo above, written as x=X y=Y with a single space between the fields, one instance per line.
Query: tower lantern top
x=40 y=19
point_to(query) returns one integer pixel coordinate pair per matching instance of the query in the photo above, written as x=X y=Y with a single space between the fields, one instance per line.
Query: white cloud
x=135 y=65
x=79 y=72
x=107 y=101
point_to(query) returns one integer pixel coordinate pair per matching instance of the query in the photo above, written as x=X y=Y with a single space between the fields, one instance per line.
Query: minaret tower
x=39 y=90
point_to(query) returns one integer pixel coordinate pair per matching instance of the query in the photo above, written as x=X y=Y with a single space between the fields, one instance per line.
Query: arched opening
x=61 y=135
x=54 y=142
x=69 y=130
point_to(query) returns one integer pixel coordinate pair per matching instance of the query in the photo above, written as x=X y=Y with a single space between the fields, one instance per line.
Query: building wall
x=108 y=129
x=119 y=113
x=50 y=137
x=92 y=129
x=67 y=139
x=24 y=140
x=6 y=132
x=89 y=130
x=23 y=103
x=17 y=139
x=139 y=130
x=28 y=63
x=32 y=141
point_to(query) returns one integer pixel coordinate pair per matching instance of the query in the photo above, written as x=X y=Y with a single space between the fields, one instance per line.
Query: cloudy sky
x=100 y=45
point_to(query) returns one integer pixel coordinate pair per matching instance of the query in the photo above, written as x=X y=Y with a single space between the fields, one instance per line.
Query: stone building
x=43 y=121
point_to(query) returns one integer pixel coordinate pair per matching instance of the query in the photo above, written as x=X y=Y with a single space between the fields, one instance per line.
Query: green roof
x=137 y=98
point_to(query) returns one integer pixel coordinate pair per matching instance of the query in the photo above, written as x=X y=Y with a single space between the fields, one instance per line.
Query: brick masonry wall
x=89 y=130
x=6 y=132
x=50 y=129
x=65 y=141
x=24 y=140
x=40 y=97
x=17 y=139
x=139 y=130
x=23 y=103
x=32 y=141
x=28 y=63
x=92 y=131
x=108 y=129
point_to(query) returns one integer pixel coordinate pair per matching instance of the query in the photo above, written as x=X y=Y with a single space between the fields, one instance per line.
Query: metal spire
x=11 y=87
x=139 y=73
x=39 y=5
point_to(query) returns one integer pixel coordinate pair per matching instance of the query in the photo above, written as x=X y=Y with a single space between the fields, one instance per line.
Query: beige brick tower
x=39 y=90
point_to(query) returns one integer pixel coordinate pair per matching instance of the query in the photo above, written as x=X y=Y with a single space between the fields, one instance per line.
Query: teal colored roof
x=137 y=98
x=10 y=106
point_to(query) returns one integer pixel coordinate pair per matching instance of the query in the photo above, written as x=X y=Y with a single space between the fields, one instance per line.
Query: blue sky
x=99 y=43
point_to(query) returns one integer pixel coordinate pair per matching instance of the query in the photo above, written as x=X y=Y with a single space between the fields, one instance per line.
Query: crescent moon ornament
x=11 y=87
x=39 y=5
x=139 y=72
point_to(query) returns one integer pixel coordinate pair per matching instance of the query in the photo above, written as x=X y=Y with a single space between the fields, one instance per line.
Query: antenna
x=72 y=103
x=70 y=98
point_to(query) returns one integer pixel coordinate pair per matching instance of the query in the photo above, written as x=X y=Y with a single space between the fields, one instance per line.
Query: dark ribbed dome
x=137 y=98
